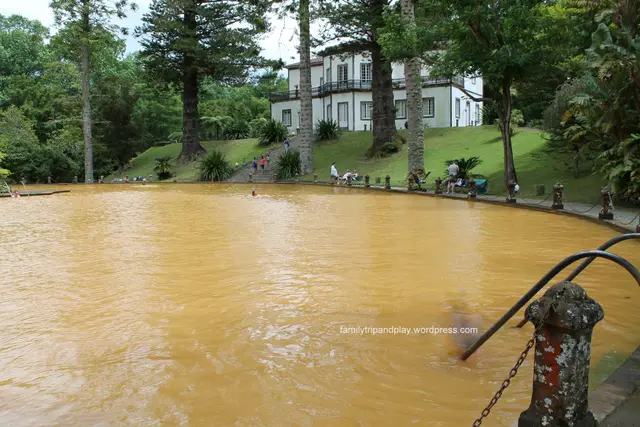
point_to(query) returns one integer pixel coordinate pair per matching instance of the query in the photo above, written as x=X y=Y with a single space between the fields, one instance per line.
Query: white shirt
x=347 y=175
x=453 y=169
x=334 y=171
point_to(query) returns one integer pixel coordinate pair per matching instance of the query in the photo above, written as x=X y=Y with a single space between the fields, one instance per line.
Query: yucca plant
x=465 y=166
x=273 y=131
x=237 y=129
x=215 y=167
x=163 y=167
x=327 y=129
x=288 y=165
x=175 y=136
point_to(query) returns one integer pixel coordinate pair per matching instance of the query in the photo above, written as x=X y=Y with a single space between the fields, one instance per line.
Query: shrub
x=288 y=165
x=175 y=137
x=215 y=167
x=326 y=130
x=391 y=147
x=237 y=129
x=163 y=167
x=465 y=165
x=256 y=126
x=273 y=131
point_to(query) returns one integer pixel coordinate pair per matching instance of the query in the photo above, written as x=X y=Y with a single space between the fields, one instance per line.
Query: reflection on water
x=203 y=305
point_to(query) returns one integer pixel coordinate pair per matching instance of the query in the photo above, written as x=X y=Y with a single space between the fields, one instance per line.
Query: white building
x=342 y=92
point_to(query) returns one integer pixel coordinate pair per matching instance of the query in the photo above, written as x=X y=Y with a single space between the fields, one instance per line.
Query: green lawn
x=533 y=164
x=236 y=151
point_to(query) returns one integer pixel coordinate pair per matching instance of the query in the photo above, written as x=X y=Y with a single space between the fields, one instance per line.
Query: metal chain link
x=513 y=372
x=539 y=202
x=582 y=212
x=633 y=220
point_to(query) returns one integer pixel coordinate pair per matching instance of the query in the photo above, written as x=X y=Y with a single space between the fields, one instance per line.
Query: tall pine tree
x=186 y=40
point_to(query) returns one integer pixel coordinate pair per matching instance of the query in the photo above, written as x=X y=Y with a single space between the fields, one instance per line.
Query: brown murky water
x=201 y=305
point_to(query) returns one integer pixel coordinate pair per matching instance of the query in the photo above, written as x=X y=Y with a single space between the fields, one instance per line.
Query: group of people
x=263 y=161
x=335 y=176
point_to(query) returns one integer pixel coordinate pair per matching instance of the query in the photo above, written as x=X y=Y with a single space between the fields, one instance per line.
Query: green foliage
x=215 y=167
x=256 y=126
x=237 y=129
x=273 y=132
x=391 y=147
x=163 y=167
x=326 y=130
x=289 y=165
x=465 y=166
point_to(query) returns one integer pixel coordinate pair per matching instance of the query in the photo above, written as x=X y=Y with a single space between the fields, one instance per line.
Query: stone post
x=150 y=178
x=557 y=196
x=562 y=356
x=101 y=180
x=48 y=180
x=438 y=185
x=473 y=192
x=366 y=181
x=511 y=189
x=607 y=205
x=315 y=178
x=410 y=183
x=74 y=180
x=349 y=180
x=387 y=182
x=250 y=177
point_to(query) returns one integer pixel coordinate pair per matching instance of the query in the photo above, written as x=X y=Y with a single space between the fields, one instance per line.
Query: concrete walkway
x=242 y=174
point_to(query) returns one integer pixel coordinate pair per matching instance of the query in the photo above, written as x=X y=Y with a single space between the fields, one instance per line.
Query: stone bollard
x=150 y=178
x=250 y=177
x=366 y=181
x=101 y=179
x=607 y=205
x=387 y=182
x=349 y=180
x=557 y=196
x=410 y=183
x=638 y=226
x=315 y=178
x=562 y=356
x=473 y=192
x=438 y=185
x=74 y=180
x=48 y=180
x=511 y=189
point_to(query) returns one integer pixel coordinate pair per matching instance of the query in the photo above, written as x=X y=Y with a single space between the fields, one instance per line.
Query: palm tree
x=216 y=124
x=305 y=137
x=163 y=167
x=413 y=81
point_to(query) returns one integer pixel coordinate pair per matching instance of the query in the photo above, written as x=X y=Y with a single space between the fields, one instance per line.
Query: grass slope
x=533 y=164
x=236 y=152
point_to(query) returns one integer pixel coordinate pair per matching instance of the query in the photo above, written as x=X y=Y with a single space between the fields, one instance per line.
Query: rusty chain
x=514 y=371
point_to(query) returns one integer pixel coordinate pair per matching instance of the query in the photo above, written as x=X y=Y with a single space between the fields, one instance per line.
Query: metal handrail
x=542 y=282
x=588 y=261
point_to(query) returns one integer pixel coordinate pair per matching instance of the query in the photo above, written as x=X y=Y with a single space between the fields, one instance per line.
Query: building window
x=328 y=75
x=478 y=121
x=329 y=112
x=286 y=117
x=343 y=74
x=473 y=80
x=366 y=110
x=457 y=108
x=365 y=72
x=401 y=109
x=428 y=107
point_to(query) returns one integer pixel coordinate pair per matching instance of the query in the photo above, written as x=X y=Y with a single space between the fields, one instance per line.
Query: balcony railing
x=359 y=85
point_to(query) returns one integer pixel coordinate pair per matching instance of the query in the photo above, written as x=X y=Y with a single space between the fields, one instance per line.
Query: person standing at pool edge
x=334 y=172
x=453 y=170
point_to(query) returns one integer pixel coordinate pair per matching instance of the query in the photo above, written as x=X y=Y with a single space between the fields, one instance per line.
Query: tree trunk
x=383 y=116
x=191 y=147
x=86 y=101
x=413 y=81
x=509 y=164
x=305 y=138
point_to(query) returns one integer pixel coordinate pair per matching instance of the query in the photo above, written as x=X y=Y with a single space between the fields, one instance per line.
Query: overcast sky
x=279 y=44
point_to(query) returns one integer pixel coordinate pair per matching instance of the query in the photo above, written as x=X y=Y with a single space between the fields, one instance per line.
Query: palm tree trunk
x=509 y=164
x=413 y=81
x=384 y=123
x=305 y=142
x=86 y=101
x=191 y=147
